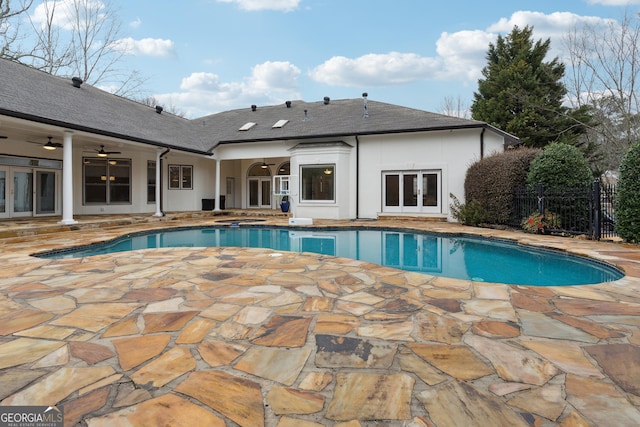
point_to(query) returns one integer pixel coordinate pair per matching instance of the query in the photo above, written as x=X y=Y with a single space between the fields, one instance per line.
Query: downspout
x=160 y=211
x=482 y=143
x=357 y=177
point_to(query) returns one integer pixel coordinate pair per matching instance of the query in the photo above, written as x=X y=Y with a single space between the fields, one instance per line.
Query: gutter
x=160 y=202
x=344 y=134
x=482 y=143
x=357 y=177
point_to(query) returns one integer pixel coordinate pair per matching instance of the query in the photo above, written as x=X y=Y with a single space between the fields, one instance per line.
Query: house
x=67 y=148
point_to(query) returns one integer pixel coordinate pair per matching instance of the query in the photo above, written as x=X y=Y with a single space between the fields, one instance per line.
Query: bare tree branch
x=10 y=34
x=455 y=107
x=73 y=38
x=604 y=74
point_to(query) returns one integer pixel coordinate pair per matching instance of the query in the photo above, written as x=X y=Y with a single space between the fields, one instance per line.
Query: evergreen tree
x=522 y=94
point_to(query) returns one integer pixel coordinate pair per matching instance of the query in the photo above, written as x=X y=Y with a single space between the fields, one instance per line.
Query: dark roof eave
x=98 y=131
x=380 y=132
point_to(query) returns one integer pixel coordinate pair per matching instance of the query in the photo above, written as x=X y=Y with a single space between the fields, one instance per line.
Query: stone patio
x=254 y=337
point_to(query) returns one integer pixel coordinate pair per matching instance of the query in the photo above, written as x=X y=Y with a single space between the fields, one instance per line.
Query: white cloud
x=64 y=12
x=375 y=69
x=463 y=54
x=460 y=56
x=145 y=47
x=545 y=26
x=254 y=5
x=205 y=93
x=136 y=23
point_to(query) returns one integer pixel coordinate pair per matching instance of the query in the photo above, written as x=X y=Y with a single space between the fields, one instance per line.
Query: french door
x=27 y=192
x=412 y=191
x=260 y=192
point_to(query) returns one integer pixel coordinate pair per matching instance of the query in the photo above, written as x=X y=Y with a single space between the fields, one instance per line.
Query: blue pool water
x=440 y=255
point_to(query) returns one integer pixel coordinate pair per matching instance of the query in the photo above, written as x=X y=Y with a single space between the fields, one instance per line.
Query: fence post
x=541 y=198
x=596 y=211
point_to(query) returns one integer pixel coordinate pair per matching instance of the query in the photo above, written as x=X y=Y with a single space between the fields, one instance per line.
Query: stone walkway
x=253 y=337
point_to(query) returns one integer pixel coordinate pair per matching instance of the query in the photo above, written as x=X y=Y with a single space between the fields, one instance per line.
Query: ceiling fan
x=49 y=145
x=102 y=153
x=265 y=165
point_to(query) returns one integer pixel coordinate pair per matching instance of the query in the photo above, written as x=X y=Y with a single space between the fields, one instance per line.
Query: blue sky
x=206 y=56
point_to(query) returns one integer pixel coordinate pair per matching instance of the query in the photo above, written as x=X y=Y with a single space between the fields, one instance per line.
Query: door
x=28 y=192
x=22 y=193
x=260 y=193
x=412 y=192
x=4 y=213
x=230 y=201
x=45 y=192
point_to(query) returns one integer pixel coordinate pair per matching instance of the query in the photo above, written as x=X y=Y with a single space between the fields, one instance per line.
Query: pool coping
x=263 y=223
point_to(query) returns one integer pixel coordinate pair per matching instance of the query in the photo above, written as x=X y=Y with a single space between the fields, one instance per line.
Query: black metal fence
x=588 y=210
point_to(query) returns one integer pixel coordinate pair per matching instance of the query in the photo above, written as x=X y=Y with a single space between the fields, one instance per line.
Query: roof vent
x=76 y=81
x=254 y=107
x=326 y=100
x=288 y=104
x=366 y=107
x=159 y=109
x=306 y=117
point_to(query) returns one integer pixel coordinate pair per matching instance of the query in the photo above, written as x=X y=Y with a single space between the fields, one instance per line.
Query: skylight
x=247 y=126
x=280 y=123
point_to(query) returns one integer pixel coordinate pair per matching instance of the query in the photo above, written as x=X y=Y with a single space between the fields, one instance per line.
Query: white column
x=158 y=184
x=67 y=180
x=217 y=199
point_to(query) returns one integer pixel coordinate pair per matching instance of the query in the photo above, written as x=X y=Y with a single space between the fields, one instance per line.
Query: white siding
x=343 y=157
x=452 y=152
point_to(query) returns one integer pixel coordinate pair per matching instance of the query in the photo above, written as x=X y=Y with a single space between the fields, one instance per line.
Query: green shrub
x=559 y=165
x=470 y=213
x=628 y=196
x=491 y=182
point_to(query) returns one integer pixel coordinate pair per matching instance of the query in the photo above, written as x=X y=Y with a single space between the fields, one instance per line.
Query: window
x=151 y=181
x=318 y=182
x=106 y=181
x=180 y=177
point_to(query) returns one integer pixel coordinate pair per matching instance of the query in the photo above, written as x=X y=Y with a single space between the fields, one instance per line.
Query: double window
x=180 y=177
x=107 y=181
x=318 y=182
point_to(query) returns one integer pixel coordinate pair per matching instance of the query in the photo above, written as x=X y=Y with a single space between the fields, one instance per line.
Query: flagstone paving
x=255 y=337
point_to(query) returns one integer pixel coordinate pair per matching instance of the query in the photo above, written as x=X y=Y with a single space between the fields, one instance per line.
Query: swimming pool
x=457 y=257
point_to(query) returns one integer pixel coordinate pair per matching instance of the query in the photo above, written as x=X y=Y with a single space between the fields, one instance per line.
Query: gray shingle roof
x=34 y=95
x=337 y=118
x=31 y=94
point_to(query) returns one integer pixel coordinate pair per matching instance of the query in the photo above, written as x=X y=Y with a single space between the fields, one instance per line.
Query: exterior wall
x=358 y=161
x=173 y=200
x=343 y=157
x=493 y=143
x=452 y=152
x=204 y=179
x=231 y=169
